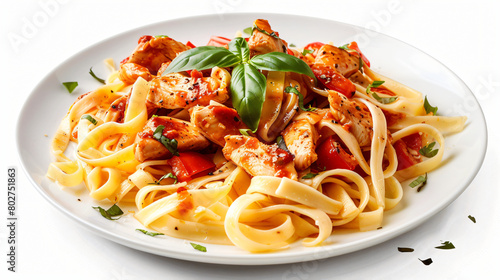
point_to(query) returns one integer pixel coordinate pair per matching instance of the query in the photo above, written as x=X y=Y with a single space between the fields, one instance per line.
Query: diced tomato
x=190 y=165
x=334 y=80
x=405 y=160
x=191 y=45
x=354 y=46
x=143 y=39
x=331 y=155
x=314 y=46
x=413 y=141
x=218 y=41
x=195 y=74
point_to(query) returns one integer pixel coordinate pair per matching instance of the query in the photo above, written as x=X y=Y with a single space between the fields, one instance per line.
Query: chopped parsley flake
x=70 y=86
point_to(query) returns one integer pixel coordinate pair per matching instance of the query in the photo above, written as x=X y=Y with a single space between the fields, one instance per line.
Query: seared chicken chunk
x=216 y=121
x=150 y=54
x=264 y=39
x=175 y=90
x=257 y=158
x=334 y=58
x=188 y=138
x=301 y=138
x=352 y=114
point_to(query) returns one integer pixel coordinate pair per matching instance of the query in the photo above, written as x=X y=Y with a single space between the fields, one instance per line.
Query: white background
x=463 y=35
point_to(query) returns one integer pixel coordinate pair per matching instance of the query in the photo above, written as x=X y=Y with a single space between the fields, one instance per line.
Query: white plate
x=464 y=154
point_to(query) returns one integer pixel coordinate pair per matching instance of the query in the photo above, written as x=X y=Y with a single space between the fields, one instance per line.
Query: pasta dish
x=250 y=142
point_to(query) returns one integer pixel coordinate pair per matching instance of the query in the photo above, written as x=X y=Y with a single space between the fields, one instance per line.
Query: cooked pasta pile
x=248 y=141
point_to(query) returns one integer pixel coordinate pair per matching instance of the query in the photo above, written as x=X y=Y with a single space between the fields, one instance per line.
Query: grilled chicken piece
x=188 y=138
x=216 y=121
x=257 y=158
x=175 y=90
x=148 y=57
x=301 y=138
x=152 y=52
x=352 y=114
x=334 y=58
x=264 y=39
x=130 y=72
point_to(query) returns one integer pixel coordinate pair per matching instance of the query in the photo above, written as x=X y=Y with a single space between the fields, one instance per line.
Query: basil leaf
x=427 y=151
x=265 y=32
x=295 y=91
x=384 y=100
x=248 y=87
x=161 y=36
x=70 y=86
x=198 y=247
x=248 y=30
x=277 y=61
x=113 y=211
x=310 y=175
x=281 y=143
x=150 y=233
x=244 y=131
x=89 y=118
x=374 y=84
x=102 y=81
x=472 y=219
x=447 y=245
x=419 y=182
x=304 y=52
x=428 y=108
x=170 y=144
x=239 y=47
x=201 y=58
x=405 y=249
x=426 y=261
x=168 y=175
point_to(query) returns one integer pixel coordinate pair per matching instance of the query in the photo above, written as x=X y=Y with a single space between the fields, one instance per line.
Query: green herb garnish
x=244 y=131
x=161 y=36
x=472 y=219
x=427 y=151
x=248 y=84
x=281 y=143
x=150 y=233
x=446 y=245
x=405 y=249
x=170 y=144
x=102 y=81
x=198 y=247
x=70 y=86
x=168 y=175
x=248 y=30
x=295 y=91
x=426 y=261
x=383 y=100
x=428 y=108
x=310 y=175
x=305 y=51
x=419 y=182
x=113 y=211
x=274 y=35
x=89 y=118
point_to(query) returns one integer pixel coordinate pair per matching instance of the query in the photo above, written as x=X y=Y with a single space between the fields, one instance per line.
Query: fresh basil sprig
x=383 y=100
x=429 y=108
x=248 y=84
